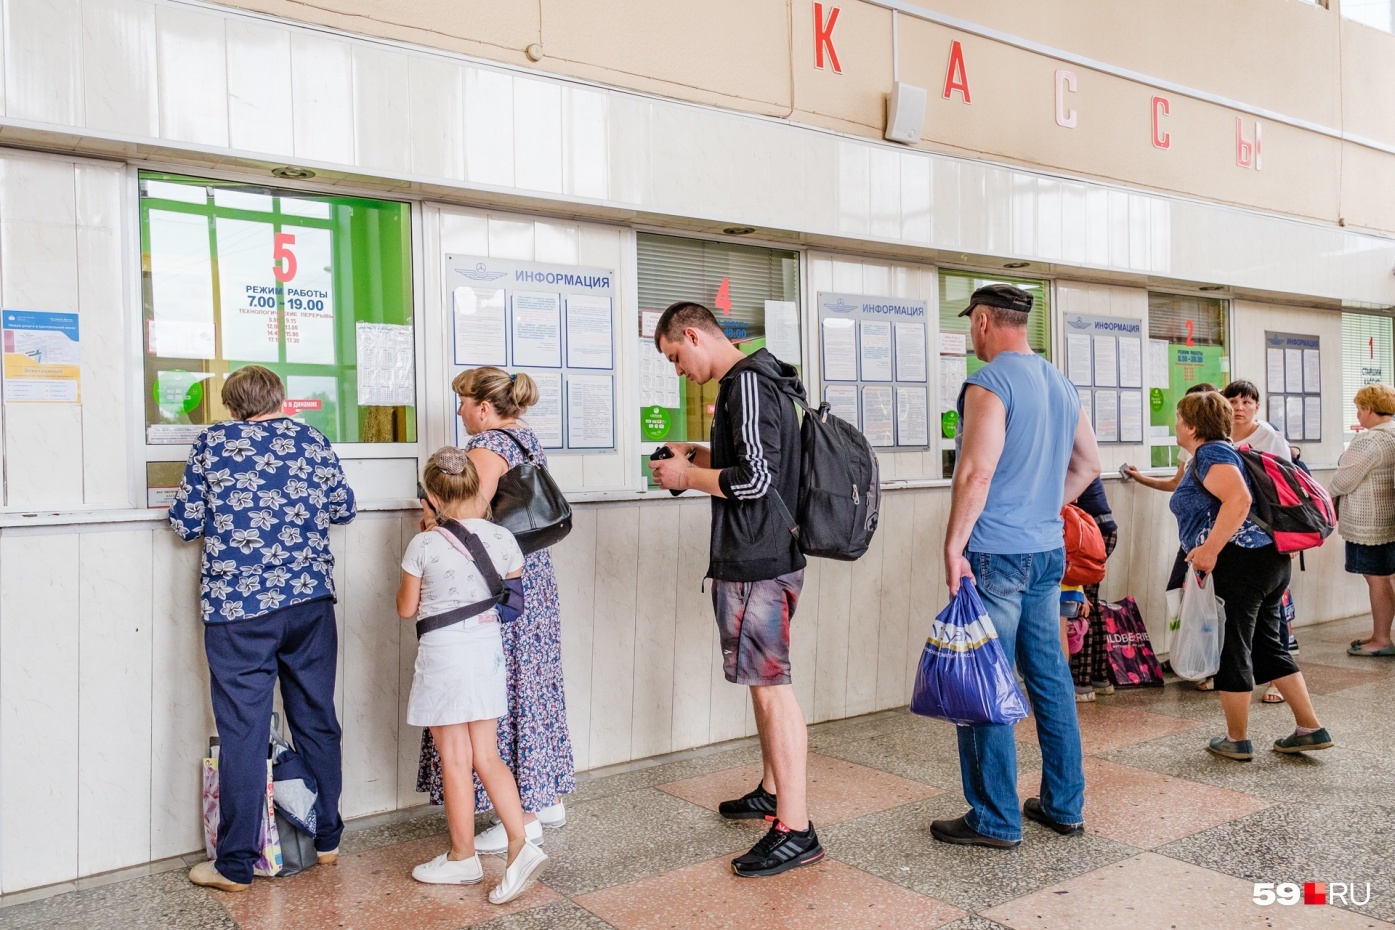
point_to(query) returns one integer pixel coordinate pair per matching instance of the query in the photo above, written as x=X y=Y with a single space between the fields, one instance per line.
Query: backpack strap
x=800 y=403
x=468 y=542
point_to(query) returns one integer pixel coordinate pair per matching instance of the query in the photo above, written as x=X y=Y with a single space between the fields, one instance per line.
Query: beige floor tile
x=838 y=790
x=1104 y=727
x=1145 y=809
x=371 y=890
x=1152 y=892
x=827 y=895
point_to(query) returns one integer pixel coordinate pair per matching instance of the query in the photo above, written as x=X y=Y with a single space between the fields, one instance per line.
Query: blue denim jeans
x=1022 y=594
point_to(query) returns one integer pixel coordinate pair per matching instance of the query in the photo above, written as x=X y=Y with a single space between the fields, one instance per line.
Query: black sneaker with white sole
x=753 y=805
x=779 y=851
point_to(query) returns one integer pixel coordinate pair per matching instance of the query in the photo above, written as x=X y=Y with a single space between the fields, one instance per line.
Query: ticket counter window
x=1187 y=345
x=955 y=289
x=316 y=288
x=753 y=292
x=1366 y=359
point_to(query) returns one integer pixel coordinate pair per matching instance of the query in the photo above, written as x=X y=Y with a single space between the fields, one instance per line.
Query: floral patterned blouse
x=262 y=495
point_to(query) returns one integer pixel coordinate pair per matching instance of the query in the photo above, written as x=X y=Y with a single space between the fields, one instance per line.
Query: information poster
x=1104 y=360
x=590 y=412
x=874 y=351
x=537 y=330
x=842 y=400
x=43 y=357
x=557 y=323
x=386 y=373
x=782 y=331
x=1293 y=381
x=589 y=340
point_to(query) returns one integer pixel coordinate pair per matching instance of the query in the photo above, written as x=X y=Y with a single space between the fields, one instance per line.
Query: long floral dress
x=533 y=738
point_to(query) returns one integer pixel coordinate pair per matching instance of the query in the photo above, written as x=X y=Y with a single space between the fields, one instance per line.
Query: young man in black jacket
x=755 y=564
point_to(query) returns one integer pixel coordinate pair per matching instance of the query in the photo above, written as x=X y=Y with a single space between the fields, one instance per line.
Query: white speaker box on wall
x=905 y=113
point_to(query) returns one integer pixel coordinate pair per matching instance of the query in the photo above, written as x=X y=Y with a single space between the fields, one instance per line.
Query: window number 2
x=1191 y=327
x=281 y=252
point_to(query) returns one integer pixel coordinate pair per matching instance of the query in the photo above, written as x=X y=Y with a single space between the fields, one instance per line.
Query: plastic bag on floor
x=964 y=676
x=1196 y=649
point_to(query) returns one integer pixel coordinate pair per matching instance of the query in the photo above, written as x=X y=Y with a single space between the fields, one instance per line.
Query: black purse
x=529 y=504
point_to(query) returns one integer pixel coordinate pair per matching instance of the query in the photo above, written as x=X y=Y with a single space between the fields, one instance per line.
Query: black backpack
x=839 y=494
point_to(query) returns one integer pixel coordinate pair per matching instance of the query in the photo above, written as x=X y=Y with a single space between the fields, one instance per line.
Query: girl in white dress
x=458 y=686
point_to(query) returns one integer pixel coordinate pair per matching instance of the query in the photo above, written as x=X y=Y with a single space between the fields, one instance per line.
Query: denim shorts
x=1371 y=560
x=753 y=623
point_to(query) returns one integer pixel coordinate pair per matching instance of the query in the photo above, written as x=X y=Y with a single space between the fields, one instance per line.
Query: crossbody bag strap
x=478 y=554
x=527 y=453
x=462 y=538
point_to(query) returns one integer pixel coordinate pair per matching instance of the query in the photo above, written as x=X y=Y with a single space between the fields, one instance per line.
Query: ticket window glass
x=754 y=294
x=1187 y=339
x=1366 y=359
x=956 y=287
x=310 y=286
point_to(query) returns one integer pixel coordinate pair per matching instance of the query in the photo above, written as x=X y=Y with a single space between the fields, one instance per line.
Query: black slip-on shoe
x=779 y=851
x=1032 y=810
x=753 y=805
x=958 y=832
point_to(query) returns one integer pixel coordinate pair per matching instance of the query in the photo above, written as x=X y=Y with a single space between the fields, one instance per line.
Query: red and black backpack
x=1288 y=503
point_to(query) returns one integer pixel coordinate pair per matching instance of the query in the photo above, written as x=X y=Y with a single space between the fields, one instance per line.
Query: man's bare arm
x=985 y=432
x=1084 y=460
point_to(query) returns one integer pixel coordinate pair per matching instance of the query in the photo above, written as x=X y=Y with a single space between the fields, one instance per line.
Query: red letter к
x=823 y=37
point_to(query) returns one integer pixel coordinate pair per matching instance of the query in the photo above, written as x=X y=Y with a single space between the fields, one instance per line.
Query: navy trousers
x=300 y=644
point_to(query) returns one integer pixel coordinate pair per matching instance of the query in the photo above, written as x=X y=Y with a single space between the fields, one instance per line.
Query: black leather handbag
x=529 y=504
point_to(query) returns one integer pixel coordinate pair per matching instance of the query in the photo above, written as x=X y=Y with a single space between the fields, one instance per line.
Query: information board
x=554 y=322
x=43 y=357
x=875 y=367
x=1104 y=360
x=1293 y=383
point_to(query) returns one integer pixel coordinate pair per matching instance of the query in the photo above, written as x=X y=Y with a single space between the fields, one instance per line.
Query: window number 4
x=281 y=252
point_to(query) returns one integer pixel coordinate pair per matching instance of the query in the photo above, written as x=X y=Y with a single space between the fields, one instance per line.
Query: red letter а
x=956 y=78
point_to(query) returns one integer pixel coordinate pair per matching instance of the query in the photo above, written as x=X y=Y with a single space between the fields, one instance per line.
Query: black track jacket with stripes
x=755 y=444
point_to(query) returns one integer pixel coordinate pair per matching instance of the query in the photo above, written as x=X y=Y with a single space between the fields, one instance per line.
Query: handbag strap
x=528 y=455
x=469 y=544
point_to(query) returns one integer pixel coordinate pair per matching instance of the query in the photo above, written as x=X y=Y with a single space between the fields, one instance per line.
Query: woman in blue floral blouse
x=262 y=490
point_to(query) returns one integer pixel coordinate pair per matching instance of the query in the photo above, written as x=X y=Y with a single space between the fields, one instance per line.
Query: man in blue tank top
x=1024 y=449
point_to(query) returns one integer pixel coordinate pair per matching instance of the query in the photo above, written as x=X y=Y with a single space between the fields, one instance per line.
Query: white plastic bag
x=1174 y=617
x=1196 y=648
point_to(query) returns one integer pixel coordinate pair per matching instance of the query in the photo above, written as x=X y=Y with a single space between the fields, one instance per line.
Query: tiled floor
x=1176 y=838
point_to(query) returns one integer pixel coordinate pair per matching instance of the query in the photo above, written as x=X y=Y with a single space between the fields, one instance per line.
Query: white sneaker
x=553 y=817
x=495 y=842
x=527 y=866
x=444 y=871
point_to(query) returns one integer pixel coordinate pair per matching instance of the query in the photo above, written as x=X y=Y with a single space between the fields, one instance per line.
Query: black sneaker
x=779 y=851
x=755 y=805
x=1033 y=810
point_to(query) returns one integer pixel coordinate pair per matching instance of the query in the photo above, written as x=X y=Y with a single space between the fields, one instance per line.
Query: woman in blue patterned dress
x=533 y=737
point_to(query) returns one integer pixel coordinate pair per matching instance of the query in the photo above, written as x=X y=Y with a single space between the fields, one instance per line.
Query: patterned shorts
x=753 y=623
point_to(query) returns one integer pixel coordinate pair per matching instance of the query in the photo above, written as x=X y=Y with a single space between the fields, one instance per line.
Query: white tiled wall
x=61 y=224
x=164 y=73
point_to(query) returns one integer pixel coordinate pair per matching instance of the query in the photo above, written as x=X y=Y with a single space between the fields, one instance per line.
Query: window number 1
x=281 y=252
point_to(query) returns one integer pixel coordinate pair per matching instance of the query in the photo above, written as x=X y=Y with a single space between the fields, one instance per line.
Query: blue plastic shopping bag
x=965 y=677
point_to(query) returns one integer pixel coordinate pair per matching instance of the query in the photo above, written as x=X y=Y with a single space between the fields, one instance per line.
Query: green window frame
x=362 y=254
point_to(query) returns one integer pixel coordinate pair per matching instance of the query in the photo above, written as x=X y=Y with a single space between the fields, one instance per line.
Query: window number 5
x=1264 y=893
x=281 y=252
